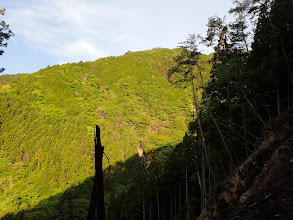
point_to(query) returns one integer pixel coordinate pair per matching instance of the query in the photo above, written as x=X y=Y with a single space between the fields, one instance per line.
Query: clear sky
x=49 y=32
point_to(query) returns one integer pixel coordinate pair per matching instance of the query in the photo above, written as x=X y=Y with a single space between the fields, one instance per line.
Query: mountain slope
x=47 y=120
x=260 y=188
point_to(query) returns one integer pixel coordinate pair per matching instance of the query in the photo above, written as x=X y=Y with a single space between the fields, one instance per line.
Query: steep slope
x=47 y=121
x=261 y=188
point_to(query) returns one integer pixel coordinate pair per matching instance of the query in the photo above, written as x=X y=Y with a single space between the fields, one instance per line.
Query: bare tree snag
x=97 y=197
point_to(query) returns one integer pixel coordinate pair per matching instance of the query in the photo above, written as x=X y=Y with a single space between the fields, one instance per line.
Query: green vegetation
x=47 y=121
x=142 y=102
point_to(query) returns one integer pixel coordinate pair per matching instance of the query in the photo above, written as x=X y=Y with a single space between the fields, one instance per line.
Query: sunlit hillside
x=47 y=120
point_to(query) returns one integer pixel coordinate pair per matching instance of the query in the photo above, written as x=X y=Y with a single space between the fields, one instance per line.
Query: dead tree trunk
x=97 y=198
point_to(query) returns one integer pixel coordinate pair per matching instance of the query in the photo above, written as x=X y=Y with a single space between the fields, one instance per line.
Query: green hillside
x=186 y=136
x=47 y=121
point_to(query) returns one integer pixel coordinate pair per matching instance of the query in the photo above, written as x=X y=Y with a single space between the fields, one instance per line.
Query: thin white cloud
x=69 y=30
x=74 y=30
x=78 y=50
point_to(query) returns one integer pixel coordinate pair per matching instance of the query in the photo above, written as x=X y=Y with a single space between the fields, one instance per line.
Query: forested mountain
x=47 y=121
x=187 y=135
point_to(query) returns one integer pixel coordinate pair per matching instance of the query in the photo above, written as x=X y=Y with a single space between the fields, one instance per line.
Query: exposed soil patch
x=271 y=196
x=262 y=186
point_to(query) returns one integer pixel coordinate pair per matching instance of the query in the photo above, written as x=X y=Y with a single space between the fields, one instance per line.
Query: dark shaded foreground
x=128 y=181
x=71 y=204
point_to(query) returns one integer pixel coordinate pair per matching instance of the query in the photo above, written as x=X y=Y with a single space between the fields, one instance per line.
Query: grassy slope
x=47 y=121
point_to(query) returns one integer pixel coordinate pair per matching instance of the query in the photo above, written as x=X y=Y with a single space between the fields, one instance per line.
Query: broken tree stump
x=97 y=197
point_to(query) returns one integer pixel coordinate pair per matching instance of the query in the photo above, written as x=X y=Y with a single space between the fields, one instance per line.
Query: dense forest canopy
x=175 y=123
x=48 y=118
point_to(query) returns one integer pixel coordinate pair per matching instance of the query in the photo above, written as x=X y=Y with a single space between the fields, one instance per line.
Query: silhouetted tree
x=5 y=34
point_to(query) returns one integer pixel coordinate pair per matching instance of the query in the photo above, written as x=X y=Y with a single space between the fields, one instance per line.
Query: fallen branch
x=263 y=199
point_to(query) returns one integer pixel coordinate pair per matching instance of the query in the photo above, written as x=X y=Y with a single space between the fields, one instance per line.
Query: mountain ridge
x=48 y=117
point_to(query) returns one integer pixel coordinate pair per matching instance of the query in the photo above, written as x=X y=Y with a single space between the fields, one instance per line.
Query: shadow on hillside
x=74 y=202
x=71 y=204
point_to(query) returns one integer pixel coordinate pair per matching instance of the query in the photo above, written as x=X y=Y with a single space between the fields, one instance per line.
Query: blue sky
x=49 y=32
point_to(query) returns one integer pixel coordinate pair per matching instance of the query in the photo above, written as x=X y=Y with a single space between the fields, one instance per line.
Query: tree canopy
x=5 y=34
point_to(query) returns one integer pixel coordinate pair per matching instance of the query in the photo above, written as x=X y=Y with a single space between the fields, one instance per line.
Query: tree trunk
x=203 y=182
x=143 y=209
x=283 y=50
x=186 y=193
x=199 y=179
x=244 y=132
x=288 y=93
x=179 y=195
x=158 y=203
x=250 y=104
x=229 y=104
x=97 y=198
x=171 y=205
x=198 y=119
x=151 y=209
x=224 y=46
x=246 y=45
x=175 y=205
x=214 y=120
x=278 y=99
